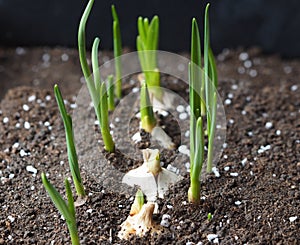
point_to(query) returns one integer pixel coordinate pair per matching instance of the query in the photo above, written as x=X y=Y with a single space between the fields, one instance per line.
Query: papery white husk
x=164 y=140
x=153 y=185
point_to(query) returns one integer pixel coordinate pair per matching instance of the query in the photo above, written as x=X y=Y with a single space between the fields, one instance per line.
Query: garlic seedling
x=151 y=178
x=204 y=92
x=96 y=87
x=71 y=149
x=148 y=121
x=67 y=209
x=140 y=220
x=201 y=106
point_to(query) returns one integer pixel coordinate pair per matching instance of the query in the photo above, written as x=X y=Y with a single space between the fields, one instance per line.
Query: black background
x=274 y=25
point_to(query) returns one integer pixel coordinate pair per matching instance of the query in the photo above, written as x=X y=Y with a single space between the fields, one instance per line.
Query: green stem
x=105 y=130
x=117 y=52
x=110 y=92
x=73 y=234
x=194 y=191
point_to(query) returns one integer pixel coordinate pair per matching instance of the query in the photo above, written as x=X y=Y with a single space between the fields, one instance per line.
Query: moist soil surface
x=255 y=199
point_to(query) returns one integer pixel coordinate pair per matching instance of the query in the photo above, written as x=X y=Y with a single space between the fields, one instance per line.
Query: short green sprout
x=117 y=52
x=72 y=155
x=67 y=210
x=104 y=123
x=138 y=202
x=147 y=44
x=147 y=115
x=99 y=96
x=200 y=106
x=209 y=216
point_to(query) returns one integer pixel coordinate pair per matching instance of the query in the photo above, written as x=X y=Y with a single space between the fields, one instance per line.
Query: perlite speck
x=26 y=125
x=5 y=120
x=31 y=169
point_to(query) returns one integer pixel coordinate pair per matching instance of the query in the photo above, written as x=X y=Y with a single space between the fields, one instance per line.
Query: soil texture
x=255 y=199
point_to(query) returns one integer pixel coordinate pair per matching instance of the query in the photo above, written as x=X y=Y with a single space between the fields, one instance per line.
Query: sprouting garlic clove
x=140 y=223
x=152 y=160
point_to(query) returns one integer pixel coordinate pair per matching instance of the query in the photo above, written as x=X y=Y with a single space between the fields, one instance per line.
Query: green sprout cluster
x=67 y=209
x=203 y=102
x=203 y=82
x=147 y=44
x=96 y=87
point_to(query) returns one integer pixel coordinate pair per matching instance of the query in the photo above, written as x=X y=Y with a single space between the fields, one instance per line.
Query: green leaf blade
x=95 y=65
x=71 y=149
x=57 y=199
x=81 y=40
x=117 y=43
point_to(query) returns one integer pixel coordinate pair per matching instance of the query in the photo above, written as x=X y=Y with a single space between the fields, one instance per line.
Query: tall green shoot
x=67 y=210
x=94 y=84
x=211 y=83
x=117 y=52
x=71 y=149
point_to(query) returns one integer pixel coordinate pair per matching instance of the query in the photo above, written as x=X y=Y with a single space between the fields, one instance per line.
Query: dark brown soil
x=256 y=199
